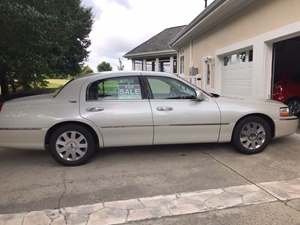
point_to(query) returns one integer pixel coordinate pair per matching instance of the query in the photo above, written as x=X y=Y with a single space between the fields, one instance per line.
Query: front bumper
x=286 y=126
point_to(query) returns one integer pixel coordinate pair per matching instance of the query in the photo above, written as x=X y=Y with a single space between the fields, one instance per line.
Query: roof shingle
x=159 y=42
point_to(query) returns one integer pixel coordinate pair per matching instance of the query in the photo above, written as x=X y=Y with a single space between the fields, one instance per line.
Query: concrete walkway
x=177 y=204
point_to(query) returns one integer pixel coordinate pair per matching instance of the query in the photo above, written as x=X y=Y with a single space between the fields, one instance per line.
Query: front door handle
x=94 y=109
x=164 y=108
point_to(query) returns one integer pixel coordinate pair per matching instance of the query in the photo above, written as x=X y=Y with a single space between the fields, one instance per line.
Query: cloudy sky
x=120 y=25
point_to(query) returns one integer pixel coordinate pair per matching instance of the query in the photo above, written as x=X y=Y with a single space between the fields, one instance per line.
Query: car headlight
x=284 y=112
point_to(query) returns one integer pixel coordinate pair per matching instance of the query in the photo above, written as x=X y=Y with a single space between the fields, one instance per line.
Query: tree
x=104 y=66
x=40 y=37
x=120 y=66
x=86 y=70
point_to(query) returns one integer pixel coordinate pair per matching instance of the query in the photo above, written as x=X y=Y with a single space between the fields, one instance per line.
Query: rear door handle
x=94 y=109
x=164 y=108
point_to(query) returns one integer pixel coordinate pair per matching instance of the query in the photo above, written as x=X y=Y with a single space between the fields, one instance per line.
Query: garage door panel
x=237 y=79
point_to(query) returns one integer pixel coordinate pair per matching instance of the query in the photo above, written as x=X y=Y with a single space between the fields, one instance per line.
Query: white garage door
x=237 y=74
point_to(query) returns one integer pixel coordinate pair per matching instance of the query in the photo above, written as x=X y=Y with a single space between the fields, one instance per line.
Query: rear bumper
x=285 y=127
x=22 y=138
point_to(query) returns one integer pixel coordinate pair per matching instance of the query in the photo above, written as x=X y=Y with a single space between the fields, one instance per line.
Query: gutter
x=150 y=54
x=206 y=12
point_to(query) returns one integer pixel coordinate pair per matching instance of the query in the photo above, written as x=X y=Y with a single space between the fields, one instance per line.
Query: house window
x=138 y=65
x=150 y=66
x=181 y=68
x=243 y=56
x=238 y=58
x=226 y=60
x=208 y=74
x=165 y=66
x=251 y=56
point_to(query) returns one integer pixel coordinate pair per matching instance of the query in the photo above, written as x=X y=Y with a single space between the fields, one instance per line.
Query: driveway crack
x=242 y=176
x=64 y=189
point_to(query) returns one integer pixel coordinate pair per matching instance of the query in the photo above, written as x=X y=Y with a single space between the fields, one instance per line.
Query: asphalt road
x=31 y=180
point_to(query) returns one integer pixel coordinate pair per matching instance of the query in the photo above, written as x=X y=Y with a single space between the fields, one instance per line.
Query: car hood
x=248 y=101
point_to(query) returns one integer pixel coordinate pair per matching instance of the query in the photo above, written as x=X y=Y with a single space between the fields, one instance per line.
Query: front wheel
x=72 y=145
x=294 y=106
x=252 y=135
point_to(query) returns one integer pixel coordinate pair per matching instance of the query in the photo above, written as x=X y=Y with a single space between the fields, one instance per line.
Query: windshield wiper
x=214 y=95
x=182 y=97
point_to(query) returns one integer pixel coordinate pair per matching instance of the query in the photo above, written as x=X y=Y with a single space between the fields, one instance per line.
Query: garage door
x=237 y=74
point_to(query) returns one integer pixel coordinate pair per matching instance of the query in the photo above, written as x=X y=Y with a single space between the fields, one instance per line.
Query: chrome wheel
x=71 y=145
x=253 y=135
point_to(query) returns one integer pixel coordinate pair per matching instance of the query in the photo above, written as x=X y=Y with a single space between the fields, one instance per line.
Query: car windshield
x=213 y=95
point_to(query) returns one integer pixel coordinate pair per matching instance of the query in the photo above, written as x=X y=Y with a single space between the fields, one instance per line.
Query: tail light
x=278 y=89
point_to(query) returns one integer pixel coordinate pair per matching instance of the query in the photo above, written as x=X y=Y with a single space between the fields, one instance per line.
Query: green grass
x=56 y=83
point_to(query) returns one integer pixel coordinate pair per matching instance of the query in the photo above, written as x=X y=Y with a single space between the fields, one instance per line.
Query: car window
x=168 y=88
x=121 y=88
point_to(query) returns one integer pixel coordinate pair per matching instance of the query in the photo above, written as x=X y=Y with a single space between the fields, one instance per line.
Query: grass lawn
x=56 y=83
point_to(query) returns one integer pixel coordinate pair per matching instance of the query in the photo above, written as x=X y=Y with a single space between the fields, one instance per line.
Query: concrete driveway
x=31 y=180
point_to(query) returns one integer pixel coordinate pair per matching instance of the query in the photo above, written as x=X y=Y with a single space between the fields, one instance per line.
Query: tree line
x=41 y=39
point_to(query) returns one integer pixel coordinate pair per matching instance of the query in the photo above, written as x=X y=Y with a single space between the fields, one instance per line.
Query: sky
x=121 y=25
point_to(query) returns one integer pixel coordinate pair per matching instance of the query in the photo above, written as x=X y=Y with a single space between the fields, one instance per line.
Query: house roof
x=158 y=44
x=217 y=12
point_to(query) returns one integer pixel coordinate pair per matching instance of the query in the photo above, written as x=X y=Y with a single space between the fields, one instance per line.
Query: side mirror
x=200 y=96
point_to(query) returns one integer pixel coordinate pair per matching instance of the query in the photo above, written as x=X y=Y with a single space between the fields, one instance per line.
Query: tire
x=252 y=135
x=72 y=145
x=294 y=106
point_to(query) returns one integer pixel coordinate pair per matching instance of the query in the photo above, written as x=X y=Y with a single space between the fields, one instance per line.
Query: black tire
x=236 y=139
x=80 y=130
x=294 y=106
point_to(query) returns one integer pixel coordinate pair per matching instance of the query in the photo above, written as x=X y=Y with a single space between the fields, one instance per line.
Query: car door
x=178 y=116
x=117 y=106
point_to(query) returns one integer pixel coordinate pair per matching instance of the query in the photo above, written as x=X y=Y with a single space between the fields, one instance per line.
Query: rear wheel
x=72 y=145
x=294 y=106
x=252 y=135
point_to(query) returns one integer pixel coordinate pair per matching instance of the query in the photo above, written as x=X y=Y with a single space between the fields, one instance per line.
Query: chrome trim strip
x=168 y=125
x=201 y=124
x=127 y=126
x=11 y=129
x=294 y=118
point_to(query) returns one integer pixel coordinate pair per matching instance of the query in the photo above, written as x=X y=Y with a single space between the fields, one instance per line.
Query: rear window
x=120 y=88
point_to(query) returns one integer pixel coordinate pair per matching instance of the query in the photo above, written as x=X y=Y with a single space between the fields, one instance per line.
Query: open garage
x=286 y=73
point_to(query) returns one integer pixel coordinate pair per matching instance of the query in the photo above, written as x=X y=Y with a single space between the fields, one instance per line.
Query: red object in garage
x=287 y=90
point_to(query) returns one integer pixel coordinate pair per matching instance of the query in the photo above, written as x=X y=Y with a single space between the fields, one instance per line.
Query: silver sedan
x=137 y=108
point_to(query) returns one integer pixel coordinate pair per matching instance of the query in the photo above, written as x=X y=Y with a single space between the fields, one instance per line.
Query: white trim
x=171 y=64
x=157 y=64
x=216 y=13
x=152 y=53
x=144 y=65
x=262 y=57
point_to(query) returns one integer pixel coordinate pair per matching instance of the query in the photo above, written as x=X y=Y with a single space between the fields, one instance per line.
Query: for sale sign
x=129 y=91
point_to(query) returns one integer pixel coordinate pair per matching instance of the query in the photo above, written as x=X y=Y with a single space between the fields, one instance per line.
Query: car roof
x=122 y=73
x=72 y=88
